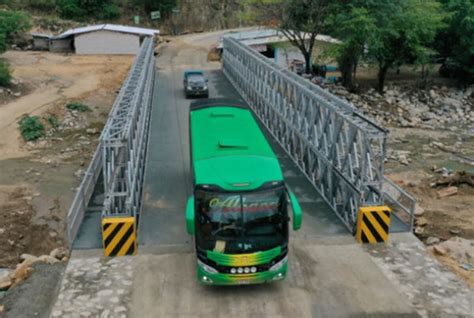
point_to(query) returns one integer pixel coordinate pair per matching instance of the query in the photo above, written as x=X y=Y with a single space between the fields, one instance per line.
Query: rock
x=2 y=308
x=403 y=160
x=28 y=258
x=59 y=253
x=432 y=240
x=5 y=283
x=440 y=250
x=466 y=267
x=419 y=230
x=449 y=191
x=92 y=131
x=18 y=94
x=421 y=221
x=451 y=102
x=48 y=259
x=419 y=211
x=455 y=231
x=21 y=272
x=79 y=173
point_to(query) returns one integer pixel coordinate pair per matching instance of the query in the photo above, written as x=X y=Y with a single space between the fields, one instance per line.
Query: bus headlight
x=253 y=269
x=207 y=268
x=189 y=88
x=233 y=270
x=240 y=270
x=246 y=270
x=279 y=265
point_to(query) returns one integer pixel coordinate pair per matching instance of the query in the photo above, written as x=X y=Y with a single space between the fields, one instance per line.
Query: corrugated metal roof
x=109 y=27
x=266 y=36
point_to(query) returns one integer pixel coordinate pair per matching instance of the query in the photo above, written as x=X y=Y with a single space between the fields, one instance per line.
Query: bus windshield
x=237 y=223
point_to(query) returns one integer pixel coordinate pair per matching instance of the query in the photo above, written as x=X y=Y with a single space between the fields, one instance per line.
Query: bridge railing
x=125 y=136
x=339 y=150
x=83 y=196
x=120 y=155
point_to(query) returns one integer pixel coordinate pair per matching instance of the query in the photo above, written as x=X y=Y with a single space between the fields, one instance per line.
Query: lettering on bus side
x=232 y=204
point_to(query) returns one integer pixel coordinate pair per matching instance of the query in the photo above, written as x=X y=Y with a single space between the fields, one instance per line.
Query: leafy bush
x=53 y=121
x=3 y=42
x=111 y=11
x=70 y=9
x=78 y=106
x=5 y=76
x=86 y=9
x=42 y=5
x=31 y=128
x=13 y=22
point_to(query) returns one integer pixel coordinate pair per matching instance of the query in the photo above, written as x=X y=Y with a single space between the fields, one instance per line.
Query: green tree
x=354 y=27
x=405 y=28
x=86 y=9
x=299 y=20
x=164 y=6
x=455 y=44
x=13 y=23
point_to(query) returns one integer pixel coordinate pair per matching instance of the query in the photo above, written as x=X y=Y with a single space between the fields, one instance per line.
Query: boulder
x=48 y=259
x=432 y=240
x=451 y=102
x=21 y=272
x=59 y=253
x=440 y=250
x=449 y=191
x=5 y=282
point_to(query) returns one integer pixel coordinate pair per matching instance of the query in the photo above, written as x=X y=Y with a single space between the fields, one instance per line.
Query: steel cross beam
x=338 y=149
x=125 y=136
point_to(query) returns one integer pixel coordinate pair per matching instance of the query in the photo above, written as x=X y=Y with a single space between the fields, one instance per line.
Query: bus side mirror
x=190 y=215
x=297 y=214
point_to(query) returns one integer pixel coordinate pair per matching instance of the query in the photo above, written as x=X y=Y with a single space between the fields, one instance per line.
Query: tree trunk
x=307 y=59
x=381 y=76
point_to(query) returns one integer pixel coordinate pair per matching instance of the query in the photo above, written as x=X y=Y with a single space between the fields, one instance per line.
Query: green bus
x=238 y=213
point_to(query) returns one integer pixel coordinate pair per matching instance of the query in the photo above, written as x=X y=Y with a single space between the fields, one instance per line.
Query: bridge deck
x=168 y=178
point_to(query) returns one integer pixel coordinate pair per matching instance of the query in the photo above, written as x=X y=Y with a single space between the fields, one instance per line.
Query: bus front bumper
x=240 y=279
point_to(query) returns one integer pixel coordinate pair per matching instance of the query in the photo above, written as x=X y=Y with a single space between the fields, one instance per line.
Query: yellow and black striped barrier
x=373 y=224
x=119 y=236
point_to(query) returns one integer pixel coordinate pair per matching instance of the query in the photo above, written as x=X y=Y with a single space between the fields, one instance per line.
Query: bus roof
x=228 y=147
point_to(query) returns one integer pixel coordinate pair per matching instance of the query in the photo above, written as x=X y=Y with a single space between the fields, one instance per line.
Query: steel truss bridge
x=339 y=150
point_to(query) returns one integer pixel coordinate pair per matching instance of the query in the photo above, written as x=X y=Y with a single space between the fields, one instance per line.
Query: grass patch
x=53 y=121
x=79 y=107
x=31 y=128
x=5 y=76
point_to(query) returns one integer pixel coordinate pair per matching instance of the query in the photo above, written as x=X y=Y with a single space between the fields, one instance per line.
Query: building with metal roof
x=101 y=39
x=275 y=45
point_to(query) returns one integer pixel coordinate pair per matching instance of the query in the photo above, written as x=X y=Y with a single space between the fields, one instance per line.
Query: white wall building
x=101 y=39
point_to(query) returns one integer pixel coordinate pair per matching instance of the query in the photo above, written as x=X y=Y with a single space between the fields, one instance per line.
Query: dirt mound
x=18 y=233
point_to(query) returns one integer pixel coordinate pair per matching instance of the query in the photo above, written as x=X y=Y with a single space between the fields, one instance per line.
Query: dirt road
x=54 y=78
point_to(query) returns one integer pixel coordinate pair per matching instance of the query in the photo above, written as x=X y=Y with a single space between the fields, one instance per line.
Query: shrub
x=111 y=11
x=13 y=22
x=3 y=42
x=53 y=121
x=5 y=76
x=70 y=9
x=31 y=128
x=78 y=106
x=42 y=5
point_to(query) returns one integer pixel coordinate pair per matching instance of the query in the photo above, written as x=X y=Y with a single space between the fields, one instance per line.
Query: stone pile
x=10 y=278
x=405 y=106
